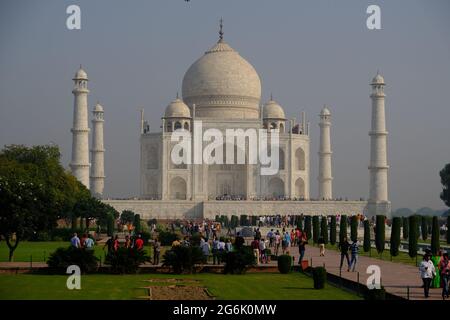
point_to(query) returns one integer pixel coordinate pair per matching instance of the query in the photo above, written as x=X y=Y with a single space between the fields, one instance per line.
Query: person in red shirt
x=139 y=243
x=116 y=243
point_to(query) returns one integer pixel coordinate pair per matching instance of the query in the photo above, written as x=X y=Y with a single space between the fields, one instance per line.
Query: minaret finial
x=177 y=94
x=271 y=97
x=221 y=30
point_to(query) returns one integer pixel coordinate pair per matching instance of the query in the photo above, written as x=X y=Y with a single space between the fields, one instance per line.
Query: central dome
x=222 y=85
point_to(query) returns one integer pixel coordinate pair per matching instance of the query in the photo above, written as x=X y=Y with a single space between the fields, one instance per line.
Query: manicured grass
x=293 y=286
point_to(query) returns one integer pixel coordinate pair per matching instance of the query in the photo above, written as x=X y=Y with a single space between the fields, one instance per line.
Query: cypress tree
x=308 y=226
x=354 y=228
x=366 y=244
x=380 y=233
x=110 y=225
x=424 y=228
x=448 y=229
x=343 y=228
x=412 y=241
x=405 y=228
x=300 y=223
x=418 y=223
x=333 y=230
x=324 y=229
x=316 y=230
x=435 y=245
x=137 y=223
x=395 y=236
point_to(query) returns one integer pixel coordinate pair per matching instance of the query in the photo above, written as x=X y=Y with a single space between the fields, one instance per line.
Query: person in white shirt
x=427 y=273
x=262 y=251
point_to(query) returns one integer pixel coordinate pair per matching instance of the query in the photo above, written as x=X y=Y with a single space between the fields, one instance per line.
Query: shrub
x=195 y=239
x=366 y=244
x=166 y=237
x=315 y=229
x=333 y=230
x=126 y=260
x=308 y=226
x=380 y=233
x=64 y=257
x=435 y=245
x=182 y=259
x=284 y=263
x=412 y=241
x=320 y=277
x=146 y=236
x=237 y=262
x=405 y=224
x=151 y=222
x=375 y=294
x=343 y=228
x=395 y=236
x=354 y=228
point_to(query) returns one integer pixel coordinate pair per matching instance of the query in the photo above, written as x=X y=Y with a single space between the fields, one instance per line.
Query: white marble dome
x=272 y=110
x=222 y=84
x=177 y=109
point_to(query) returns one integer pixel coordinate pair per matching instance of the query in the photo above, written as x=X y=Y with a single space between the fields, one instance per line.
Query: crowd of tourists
x=435 y=273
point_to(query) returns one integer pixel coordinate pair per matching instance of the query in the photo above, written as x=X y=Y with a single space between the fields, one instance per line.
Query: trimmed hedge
x=319 y=277
x=284 y=263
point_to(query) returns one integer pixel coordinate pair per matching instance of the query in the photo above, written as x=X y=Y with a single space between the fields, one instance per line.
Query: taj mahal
x=223 y=90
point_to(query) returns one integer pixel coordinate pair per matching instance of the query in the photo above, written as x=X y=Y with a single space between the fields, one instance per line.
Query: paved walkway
x=395 y=277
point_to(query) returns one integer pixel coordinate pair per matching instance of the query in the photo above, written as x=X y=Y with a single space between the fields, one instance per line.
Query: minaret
x=97 y=153
x=378 y=168
x=80 y=129
x=325 y=178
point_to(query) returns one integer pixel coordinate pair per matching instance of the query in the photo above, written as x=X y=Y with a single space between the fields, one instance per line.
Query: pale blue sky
x=308 y=53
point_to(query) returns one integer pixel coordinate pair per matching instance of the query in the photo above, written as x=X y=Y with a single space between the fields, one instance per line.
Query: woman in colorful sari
x=436 y=261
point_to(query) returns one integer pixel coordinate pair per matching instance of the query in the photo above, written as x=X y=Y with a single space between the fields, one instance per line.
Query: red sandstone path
x=395 y=277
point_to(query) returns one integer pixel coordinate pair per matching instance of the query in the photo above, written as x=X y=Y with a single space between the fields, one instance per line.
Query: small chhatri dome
x=272 y=110
x=378 y=79
x=325 y=111
x=81 y=74
x=177 y=109
x=98 y=108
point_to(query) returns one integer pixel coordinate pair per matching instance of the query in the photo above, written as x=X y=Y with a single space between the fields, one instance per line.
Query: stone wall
x=175 y=209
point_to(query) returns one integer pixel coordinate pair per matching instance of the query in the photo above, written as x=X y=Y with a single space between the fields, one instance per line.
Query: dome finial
x=177 y=95
x=221 y=30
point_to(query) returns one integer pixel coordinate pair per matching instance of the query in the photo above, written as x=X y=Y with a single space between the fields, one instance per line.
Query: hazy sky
x=308 y=53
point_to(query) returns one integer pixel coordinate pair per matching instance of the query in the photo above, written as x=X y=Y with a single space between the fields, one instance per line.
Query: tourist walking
x=262 y=251
x=109 y=244
x=139 y=243
x=444 y=268
x=427 y=272
x=436 y=259
x=321 y=243
x=277 y=242
x=354 y=252
x=215 y=250
x=89 y=243
x=156 y=251
x=343 y=248
x=204 y=246
x=255 y=247
x=75 y=241
x=301 y=249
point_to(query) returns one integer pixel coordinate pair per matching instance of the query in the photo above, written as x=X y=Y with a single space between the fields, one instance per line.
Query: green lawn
x=293 y=286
